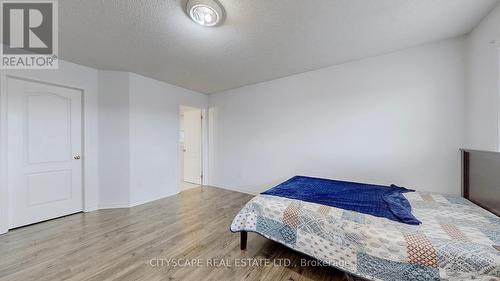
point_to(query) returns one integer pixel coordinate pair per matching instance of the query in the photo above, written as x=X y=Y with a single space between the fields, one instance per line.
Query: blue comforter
x=376 y=200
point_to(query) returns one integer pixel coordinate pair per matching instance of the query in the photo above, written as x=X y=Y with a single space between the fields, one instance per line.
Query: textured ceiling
x=260 y=39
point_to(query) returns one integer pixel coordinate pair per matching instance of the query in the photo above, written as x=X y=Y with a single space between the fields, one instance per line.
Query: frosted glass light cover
x=204 y=15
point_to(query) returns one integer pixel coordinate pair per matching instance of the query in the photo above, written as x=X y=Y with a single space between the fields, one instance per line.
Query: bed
x=456 y=240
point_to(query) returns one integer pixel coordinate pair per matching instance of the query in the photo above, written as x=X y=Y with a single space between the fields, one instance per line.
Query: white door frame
x=4 y=188
x=204 y=146
x=497 y=45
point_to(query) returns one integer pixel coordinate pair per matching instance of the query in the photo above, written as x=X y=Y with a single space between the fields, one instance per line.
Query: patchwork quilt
x=457 y=240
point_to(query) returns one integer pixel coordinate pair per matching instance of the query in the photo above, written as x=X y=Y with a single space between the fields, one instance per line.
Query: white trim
x=134 y=204
x=113 y=206
x=4 y=201
x=204 y=145
x=237 y=189
x=497 y=42
x=140 y=202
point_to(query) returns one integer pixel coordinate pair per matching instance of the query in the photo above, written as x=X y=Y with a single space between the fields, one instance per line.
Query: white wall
x=483 y=61
x=396 y=118
x=69 y=75
x=154 y=136
x=139 y=129
x=114 y=140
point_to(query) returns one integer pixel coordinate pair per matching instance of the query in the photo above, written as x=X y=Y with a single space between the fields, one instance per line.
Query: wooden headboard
x=481 y=178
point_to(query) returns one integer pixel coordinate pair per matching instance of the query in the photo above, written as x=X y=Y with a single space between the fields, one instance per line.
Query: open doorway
x=190 y=145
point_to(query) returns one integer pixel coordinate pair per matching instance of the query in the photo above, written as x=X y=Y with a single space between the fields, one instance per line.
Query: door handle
x=77 y=156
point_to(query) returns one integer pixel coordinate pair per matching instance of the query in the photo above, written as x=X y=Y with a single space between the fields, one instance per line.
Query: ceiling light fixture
x=205 y=12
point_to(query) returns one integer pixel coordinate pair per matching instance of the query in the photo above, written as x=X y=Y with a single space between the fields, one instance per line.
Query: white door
x=192 y=146
x=44 y=147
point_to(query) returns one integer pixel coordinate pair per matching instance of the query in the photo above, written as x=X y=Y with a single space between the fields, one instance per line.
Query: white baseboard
x=5 y=229
x=140 y=202
x=113 y=206
x=91 y=209
x=237 y=189
x=133 y=204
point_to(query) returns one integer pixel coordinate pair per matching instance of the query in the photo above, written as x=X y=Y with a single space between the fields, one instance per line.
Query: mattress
x=457 y=240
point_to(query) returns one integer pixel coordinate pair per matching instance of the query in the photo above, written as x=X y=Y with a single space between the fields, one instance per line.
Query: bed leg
x=243 y=242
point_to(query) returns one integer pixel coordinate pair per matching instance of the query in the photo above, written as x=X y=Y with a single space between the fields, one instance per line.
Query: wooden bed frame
x=481 y=178
x=480 y=182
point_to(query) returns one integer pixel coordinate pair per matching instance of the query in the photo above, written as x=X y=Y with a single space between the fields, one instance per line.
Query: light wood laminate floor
x=122 y=244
